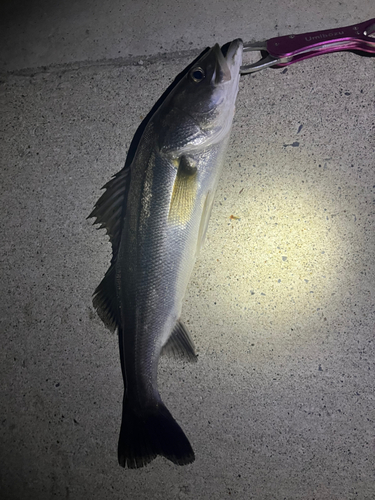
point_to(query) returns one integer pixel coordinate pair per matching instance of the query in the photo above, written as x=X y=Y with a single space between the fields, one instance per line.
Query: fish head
x=199 y=111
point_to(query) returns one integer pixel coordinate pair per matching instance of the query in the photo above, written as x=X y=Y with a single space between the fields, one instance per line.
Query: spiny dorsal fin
x=180 y=343
x=110 y=209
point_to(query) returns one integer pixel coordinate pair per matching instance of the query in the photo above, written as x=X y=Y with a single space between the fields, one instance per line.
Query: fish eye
x=197 y=74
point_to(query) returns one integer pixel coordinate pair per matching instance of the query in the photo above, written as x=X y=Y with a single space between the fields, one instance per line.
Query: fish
x=156 y=212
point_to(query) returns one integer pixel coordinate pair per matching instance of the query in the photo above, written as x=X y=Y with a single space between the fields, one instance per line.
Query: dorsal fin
x=110 y=209
x=105 y=300
x=109 y=212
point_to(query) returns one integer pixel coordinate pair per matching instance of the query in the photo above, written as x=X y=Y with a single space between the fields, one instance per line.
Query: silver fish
x=156 y=212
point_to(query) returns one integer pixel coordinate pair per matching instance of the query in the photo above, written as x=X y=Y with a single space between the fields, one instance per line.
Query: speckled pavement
x=280 y=404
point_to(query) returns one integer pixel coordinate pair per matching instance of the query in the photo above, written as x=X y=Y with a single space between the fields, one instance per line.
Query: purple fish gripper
x=284 y=50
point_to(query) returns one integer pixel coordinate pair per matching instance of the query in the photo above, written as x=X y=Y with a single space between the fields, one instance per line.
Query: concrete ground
x=281 y=306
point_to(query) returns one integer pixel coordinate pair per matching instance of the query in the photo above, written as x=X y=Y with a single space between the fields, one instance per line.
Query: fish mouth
x=229 y=58
x=230 y=49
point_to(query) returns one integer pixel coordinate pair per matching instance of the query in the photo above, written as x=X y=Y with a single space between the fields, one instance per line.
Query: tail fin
x=151 y=432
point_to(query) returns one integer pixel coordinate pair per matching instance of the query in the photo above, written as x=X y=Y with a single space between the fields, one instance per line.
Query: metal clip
x=284 y=50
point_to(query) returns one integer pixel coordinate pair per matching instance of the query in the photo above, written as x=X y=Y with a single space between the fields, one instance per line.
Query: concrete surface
x=281 y=306
x=41 y=33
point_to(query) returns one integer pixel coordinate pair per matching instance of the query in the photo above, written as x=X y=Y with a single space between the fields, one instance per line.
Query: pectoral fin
x=184 y=192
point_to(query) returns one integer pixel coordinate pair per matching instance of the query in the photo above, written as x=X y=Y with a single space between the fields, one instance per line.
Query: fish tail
x=150 y=432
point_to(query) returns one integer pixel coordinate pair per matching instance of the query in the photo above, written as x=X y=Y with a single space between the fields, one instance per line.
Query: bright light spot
x=284 y=262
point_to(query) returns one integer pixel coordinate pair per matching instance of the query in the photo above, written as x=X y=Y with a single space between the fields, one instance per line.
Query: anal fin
x=180 y=343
